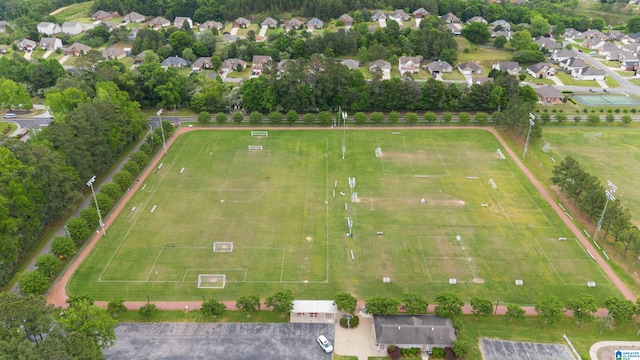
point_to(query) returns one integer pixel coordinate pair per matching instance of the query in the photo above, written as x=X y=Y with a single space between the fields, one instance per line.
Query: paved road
x=625 y=85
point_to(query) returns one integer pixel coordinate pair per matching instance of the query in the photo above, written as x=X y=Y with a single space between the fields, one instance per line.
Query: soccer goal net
x=378 y=152
x=255 y=147
x=211 y=281
x=222 y=247
x=259 y=133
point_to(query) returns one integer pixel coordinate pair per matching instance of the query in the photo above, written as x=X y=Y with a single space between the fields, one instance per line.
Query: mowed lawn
x=425 y=214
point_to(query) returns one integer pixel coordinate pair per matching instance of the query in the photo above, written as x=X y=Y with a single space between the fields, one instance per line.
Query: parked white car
x=325 y=344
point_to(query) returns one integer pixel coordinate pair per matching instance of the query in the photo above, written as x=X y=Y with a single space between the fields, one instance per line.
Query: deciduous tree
x=414 y=303
x=212 y=307
x=550 y=309
x=346 y=302
x=281 y=302
x=382 y=305
x=448 y=304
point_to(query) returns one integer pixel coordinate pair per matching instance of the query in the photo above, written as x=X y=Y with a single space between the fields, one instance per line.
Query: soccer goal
x=259 y=133
x=378 y=152
x=211 y=281
x=222 y=246
x=255 y=147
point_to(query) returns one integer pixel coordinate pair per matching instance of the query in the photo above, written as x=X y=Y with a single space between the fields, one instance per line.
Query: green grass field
x=288 y=230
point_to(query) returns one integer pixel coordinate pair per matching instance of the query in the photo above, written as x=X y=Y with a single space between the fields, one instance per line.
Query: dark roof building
x=422 y=331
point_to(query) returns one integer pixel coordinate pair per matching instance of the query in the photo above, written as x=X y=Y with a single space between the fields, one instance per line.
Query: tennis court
x=595 y=100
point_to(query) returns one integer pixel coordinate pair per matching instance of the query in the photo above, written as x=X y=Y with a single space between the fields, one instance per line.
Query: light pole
x=609 y=194
x=344 y=133
x=164 y=145
x=532 y=119
x=90 y=184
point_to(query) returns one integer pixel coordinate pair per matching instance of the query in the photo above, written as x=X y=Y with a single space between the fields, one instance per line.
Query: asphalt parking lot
x=506 y=350
x=237 y=341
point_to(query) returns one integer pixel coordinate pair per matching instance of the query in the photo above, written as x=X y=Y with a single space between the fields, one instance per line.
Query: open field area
x=277 y=207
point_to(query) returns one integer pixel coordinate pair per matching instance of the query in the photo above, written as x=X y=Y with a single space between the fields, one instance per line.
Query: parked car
x=325 y=344
x=591 y=90
x=9 y=116
x=605 y=90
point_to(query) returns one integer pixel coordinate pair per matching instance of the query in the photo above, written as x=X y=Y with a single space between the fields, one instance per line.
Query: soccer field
x=425 y=215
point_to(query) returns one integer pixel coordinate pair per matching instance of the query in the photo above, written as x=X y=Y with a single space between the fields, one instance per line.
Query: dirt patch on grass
x=441 y=202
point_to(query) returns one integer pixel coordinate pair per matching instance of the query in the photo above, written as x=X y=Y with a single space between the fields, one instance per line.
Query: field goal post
x=259 y=133
x=223 y=246
x=255 y=147
x=211 y=281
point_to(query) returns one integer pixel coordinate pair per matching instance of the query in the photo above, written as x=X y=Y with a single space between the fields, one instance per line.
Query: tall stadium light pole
x=532 y=122
x=344 y=132
x=164 y=145
x=90 y=184
x=609 y=194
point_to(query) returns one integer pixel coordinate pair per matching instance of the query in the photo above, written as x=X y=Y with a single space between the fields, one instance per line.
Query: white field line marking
x=326 y=187
x=284 y=253
x=139 y=213
x=504 y=213
x=440 y=156
x=408 y=155
x=154 y=264
x=549 y=261
x=424 y=258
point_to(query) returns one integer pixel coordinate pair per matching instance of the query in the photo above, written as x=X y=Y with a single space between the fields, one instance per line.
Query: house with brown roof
x=113 y=53
x=382 y=66
x=408 y=64
x=292 y=24
x=202 y=63
x=76 y=49
x=548 y=95
x=511 y=67
x=241 y=23
x=269 y=22
x=259 y=63
x=232 y=64
x=102 y=15
x=133 y=17
x=211 y=24
x=420 y=13
x=469 y=68
x=541 y=70
x=346 y=20
x=159 y=23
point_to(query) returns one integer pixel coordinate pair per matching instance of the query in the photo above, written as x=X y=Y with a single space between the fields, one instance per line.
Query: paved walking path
x=606 y=349
x=58 y=295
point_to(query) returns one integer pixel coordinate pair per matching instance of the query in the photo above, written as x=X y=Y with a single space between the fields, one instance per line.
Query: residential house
x=76 y=49
x=479 y=80
x=633 y=48
x=547 y=43
x=634 y=37
x=548 y=95
x=382 y=66
x=3 y=26
x=414 y=331
x=259 y=63
x=284 y=66
x=449 y=18
x=270 y=23
x=629 y=61
x=229 y=37
x=346 y=20
x=230 y=65
x=351 y=64
x=47 y=43
x=26 y=45
x=541 y=70
x=588 y=73
x=292 y=24
x=202 y=63
x=113 y=53
x=111 y=25
x=102 y=15
x=561 y=54
x=508 y=34
x=175 y=62
x=133 y=34
x=3 y=50
x=614 y=35
x=592 y=43
x=511 y=67
x=469 y=68
x=420 y=13
x=48 y=28
x=241 y=23
x=399 y=16
x=179 y=21
x=572 y=34
x=455 y=28
x=408 y=64
x=479 y=19
x=378 y=15
x=439 y=67
x=591 y=34
x=211 y=25
x=72 y=28
x=500 y=25
x=315 y=23
x=159 y=23
x=607 y=49
x=133 y=17
x=573 y=63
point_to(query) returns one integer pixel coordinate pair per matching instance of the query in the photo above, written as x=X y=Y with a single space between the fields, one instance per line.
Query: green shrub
x=617 y=111
x=626 y=111
x=602 y=110
x=633 y=110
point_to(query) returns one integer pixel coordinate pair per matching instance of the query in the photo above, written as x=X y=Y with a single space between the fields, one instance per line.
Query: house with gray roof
x=47 y=43
x=174 y=61
x=351 y=64
x=201 y=63
x=133 y=17
x=159 y=23
x=408 y=64
x=72 y=28
x=399 y=16
x=113 y=53
x=479 y=19
x=592 y=34
x=259 y=63
x=420 y=331
x=607 y=49
x=232 y=64
x=573 y=63
x=76 y=49
x=439 y=67
x=26 y=45
x=292 y=24
x=500 y=25
x=541 y=70
x=378 y=15
x=548 y=95
x=346 y=20
x=269 y=22
x=102 y=15
x=508 y=34
x=572 y=34
x=450 y=18
x=179 y=21
x=511 y=67
x=315 y=23
x=382 y=66
x=588 y=73
x=241 y=23
x=211 y=24
x=455 y=28
x=48 y=28
x=469 y=68
x=562 y=54
x=420 y=13
x=547 y=43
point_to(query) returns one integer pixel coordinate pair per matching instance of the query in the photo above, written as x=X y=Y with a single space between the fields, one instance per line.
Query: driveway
x=360 y=341
x=263 y=31
x=555 y=79
x=64 y=59
x=237 y=341
x=234 y=31
x=47 y=54
x=27 y=55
